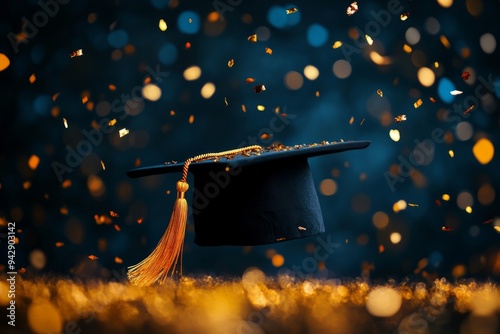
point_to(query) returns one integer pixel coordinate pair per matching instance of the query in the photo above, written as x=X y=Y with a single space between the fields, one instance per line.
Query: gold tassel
x=164 y=259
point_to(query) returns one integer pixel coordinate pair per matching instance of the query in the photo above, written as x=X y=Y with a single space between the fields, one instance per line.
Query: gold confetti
x=468 y=209
x=351 y=120
x=446 y=228
x=65 y=123
x=353 y=8
x=59 y=244
x=243 y=108
x=112 y=122
x=55 y=96
x=446 y=197
x=404 y=16
x=118 y=260
x=291 y=10
x=172 y=113
x=259 y=88
x=162 y=25
x=140 y=220
x=337 y=44
x=112 y=87
x=260 y=107
x=113 y=214
x=497 y=228
x=465 y=75
x=317 y=93
x=33 y=162
x=32 y=78
x=249 y=80
x=433 y=100
x=266 y=135
x=444 y=41
x=93 y=257
x=117 y=228
x=369 y=40
x=407 y=48
x=380 y=93
x=413 y=205
x=252 y=38
x=85 y=99
x=123 y=132
x=301 y=228
x=400 y=118
x=77 y=53
x=66 y=184
x=451 y=153
x=436 y=64
x=381 y=248
x=394 y=134
x=102 y=165
x=269 y=51
x=418 y=103
x=230 y=63
x=102 y=219
x=456 y=92
x=191 y=119
x=468 y=110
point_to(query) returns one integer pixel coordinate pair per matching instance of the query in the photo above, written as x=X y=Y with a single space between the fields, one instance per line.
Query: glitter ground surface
x=254 y=304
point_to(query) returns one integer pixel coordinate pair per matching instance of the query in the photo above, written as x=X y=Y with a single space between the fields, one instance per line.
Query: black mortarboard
x=247 y=196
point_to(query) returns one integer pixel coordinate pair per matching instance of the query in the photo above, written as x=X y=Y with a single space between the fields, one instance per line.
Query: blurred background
x=93 y=89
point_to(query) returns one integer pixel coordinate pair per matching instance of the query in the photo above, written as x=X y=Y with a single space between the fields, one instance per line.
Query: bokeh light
x=311 y=72
x=151 y=92
x=488 y=43
x=317 y=35
x=426 y=76
x=395 y=237
x=293 y=80
x=4 y=62
x=484 y=151
x=342 y=69
x=188 y=22
x=384 y=302
x=208 y=90
x=328 y=187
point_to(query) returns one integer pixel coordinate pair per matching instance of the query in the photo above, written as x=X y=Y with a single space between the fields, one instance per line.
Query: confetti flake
x=113 y=214
x=117 y=228
x=407 y=48
x=93 y=257
x=456 y=92
x=353 y=8
x=369 y=40
x=191 y=119
x=77 y=53
x=140 y=220
x=65 y=123
x=394 y=134
x=301 y=228
x=259 y=88
x=102 y=219
x=436 y=64
x=337 y=45
x=59 y=244
x=362 y=121
x=446 y=228
x=413 y=205
x=266 y=135
x=225 y=102
x=291 y=10
x=32 y=78
x=118 y=260
x=249 y=80
x=85 y=99
x=55 y=96
x=112 y=87
x=433 y=100
x=468 y=110
x=466 y=75
x=269 y=51
x=252 y=38
x=162 y=25
x=102 y=165
x=445 y=41
x=317 y=93
x=123 y=132
x=404 y=16
x=351 y=120
x=400 y=118
x=190 y=20
x=243 y=108
x=497 y=228
x=468 y=209
x=260 y=107
x=230 y=63
x=418 y=103
x=380 y=93
x=112 y=122
x=488 y=221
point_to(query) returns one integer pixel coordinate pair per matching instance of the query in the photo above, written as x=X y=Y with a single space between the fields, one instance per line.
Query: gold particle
x=291 y=10
x=252 y=38
x=337 y=44
x=380 y=93
x=230 y=63
x=418 y=103
x=191 y=119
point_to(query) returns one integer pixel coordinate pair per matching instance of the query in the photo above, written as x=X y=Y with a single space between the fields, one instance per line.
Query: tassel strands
x=164 y=259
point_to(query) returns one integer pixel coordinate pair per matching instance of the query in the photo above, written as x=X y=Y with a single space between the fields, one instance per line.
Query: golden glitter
x=380 y=93
x=123 y=132
x=93 y=257
x=337 y=44
x=260 y=107
x=353 y=8
x=418 y=103
x=252 y=38
x=191 y=119
x=351 y=120
x=102 y=165
x=162 y=25
x=225 y=101
x=112 y=122
x=269 y=51
x=451 y=153
x=65 y=122
x=33 y=162
x=468 y=110
x=407 y=48
x=32 y=78
x=400 y=118
x=77 y=53
x=118 y=260
x=444 y=41
x=230 y=63
x=369 y=40
x=291 y=10
x=404 y=16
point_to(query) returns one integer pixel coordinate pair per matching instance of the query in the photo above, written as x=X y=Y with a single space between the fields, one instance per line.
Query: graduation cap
x=247 y=196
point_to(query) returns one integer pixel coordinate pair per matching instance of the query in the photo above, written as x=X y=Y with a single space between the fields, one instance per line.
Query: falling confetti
x=230 y=63
x=259 y=88
x=249 y=80
x=118 y=260
x=418 y=103
x=123 y=132
x=162 y=25
x=468 y=209
x=407 y=48
x=394 y=134
x=102 y=165
x=93 y=257
x=433 y=100
x=456 y=92
x=32 y=78
x=191 y=119
x=65 y=123
x=353 y=8
x=404 y=16
x=59 y=244
x=225 y=101
x=112 y=87
x=301 y=228
x=380 y=93
x=113 y=214
x=243 y=108
x=351 y=120
x=252 y=38
x=369 y=40
x=337 y=45
x=140 y=220
x=446 y=228
x=112 y=122
x=317 y=93
x=291 y=10
x=55 y=96
x=400 y=118
x=362 y=121
x=187 y=45
x=451 y=153
x=468 y=110
x=413 y=205
x=33 y=162
x=260 y=107
x=77 y=53
x=269 y=51
x=117 y=228
x=466 y=75
x=445 y=41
